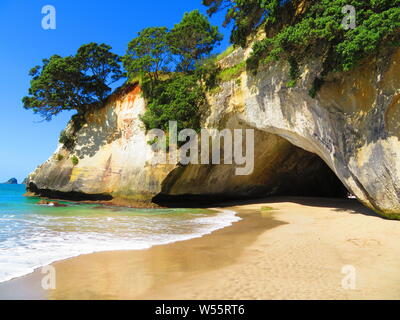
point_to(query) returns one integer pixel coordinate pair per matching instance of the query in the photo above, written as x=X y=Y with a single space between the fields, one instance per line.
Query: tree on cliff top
x=56 y=86
x=193 y=39
x=148 y=54
x=178 y=95
x=155 y=48
x=101 y=66
x=246 y=15
x=72 y=82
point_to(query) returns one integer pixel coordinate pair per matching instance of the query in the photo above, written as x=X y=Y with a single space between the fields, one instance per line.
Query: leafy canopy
x=101 y=65
x=158 y=51
x=309 y=28
x=177 y=99
x=246 y=15
x=148 y=54
x=193 y=39
x=72 y=82
x=56 y=86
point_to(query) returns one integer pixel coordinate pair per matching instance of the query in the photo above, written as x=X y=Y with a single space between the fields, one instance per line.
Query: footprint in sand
x=362 y=243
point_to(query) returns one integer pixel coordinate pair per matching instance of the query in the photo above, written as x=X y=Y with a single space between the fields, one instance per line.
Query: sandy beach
x=296 y=251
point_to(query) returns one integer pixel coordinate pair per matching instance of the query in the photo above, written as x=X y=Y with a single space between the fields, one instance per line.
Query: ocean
x=33 y=235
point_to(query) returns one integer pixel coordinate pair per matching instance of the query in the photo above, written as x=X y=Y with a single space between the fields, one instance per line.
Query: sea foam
x=30 y=239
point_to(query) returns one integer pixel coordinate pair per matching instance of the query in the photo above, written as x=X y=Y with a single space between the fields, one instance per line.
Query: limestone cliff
x=351 y=129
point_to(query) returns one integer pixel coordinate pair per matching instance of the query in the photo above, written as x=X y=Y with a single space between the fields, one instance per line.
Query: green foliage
x=153 y=141
x=226 y=53
x=148 y=54
x=208 y=71
x=294 y=73
x=101 y=66
x=156 y=52
x=192 y=39
x=60 y=157
x=246 y=15
x=154 y=49
x=291 y=83
x=67 y=139
x=82 y=82
x=320 y=27
x=77 y=121
x=177 y=99
x=299 y=29
x=74 y=160
x=380 y=24
x=232 y=72
x=73 y=82
x=56 y=86
x=267 y=209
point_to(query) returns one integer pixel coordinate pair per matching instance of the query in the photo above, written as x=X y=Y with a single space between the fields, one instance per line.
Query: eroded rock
x=351 y=128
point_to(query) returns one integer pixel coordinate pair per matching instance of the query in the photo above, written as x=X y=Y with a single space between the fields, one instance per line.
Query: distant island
x=11 y=181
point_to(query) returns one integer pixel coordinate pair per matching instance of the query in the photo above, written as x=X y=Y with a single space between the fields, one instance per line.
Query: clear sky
x=25 y=140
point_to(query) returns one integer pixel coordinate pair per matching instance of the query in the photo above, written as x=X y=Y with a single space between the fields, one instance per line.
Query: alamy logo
x=349 y=21
x=203 y=148
x=49 y=20
x=349 y=280
x=49 y=280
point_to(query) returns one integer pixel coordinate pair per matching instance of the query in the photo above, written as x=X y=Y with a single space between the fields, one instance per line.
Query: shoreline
x=29 y=286
x=225 y=219
x=295 y=252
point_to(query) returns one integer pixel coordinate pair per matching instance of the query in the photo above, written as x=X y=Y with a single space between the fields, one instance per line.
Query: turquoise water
x=33 y=235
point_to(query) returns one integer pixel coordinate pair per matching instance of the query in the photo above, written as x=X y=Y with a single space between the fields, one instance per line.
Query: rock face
x=12 y=181
x=348 y=135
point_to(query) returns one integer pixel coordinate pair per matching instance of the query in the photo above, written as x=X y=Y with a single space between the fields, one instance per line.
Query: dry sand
x=294 y=252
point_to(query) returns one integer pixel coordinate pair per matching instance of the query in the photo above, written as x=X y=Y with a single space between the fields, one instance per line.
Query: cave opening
x=281 y=169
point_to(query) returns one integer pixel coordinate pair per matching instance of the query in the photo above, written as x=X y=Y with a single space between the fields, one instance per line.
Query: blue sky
x=26 y=141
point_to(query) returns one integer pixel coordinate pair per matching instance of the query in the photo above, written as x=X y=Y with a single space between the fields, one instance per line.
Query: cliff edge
x=347 y=137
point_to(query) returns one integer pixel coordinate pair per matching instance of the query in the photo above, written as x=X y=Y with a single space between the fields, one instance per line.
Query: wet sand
x=297 y=251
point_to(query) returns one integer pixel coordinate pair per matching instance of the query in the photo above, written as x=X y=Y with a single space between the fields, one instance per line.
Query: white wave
x=43 y=244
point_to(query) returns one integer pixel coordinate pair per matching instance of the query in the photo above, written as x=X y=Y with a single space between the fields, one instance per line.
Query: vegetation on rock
x=74 y=160
x=192 y=40
x=177 y=99
x=232 y=72
x=67 y=139
x=148 y=55
x=265 y=208
x=73 y=82
x=171 y=65
x=175 y=66
x=300 y=29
